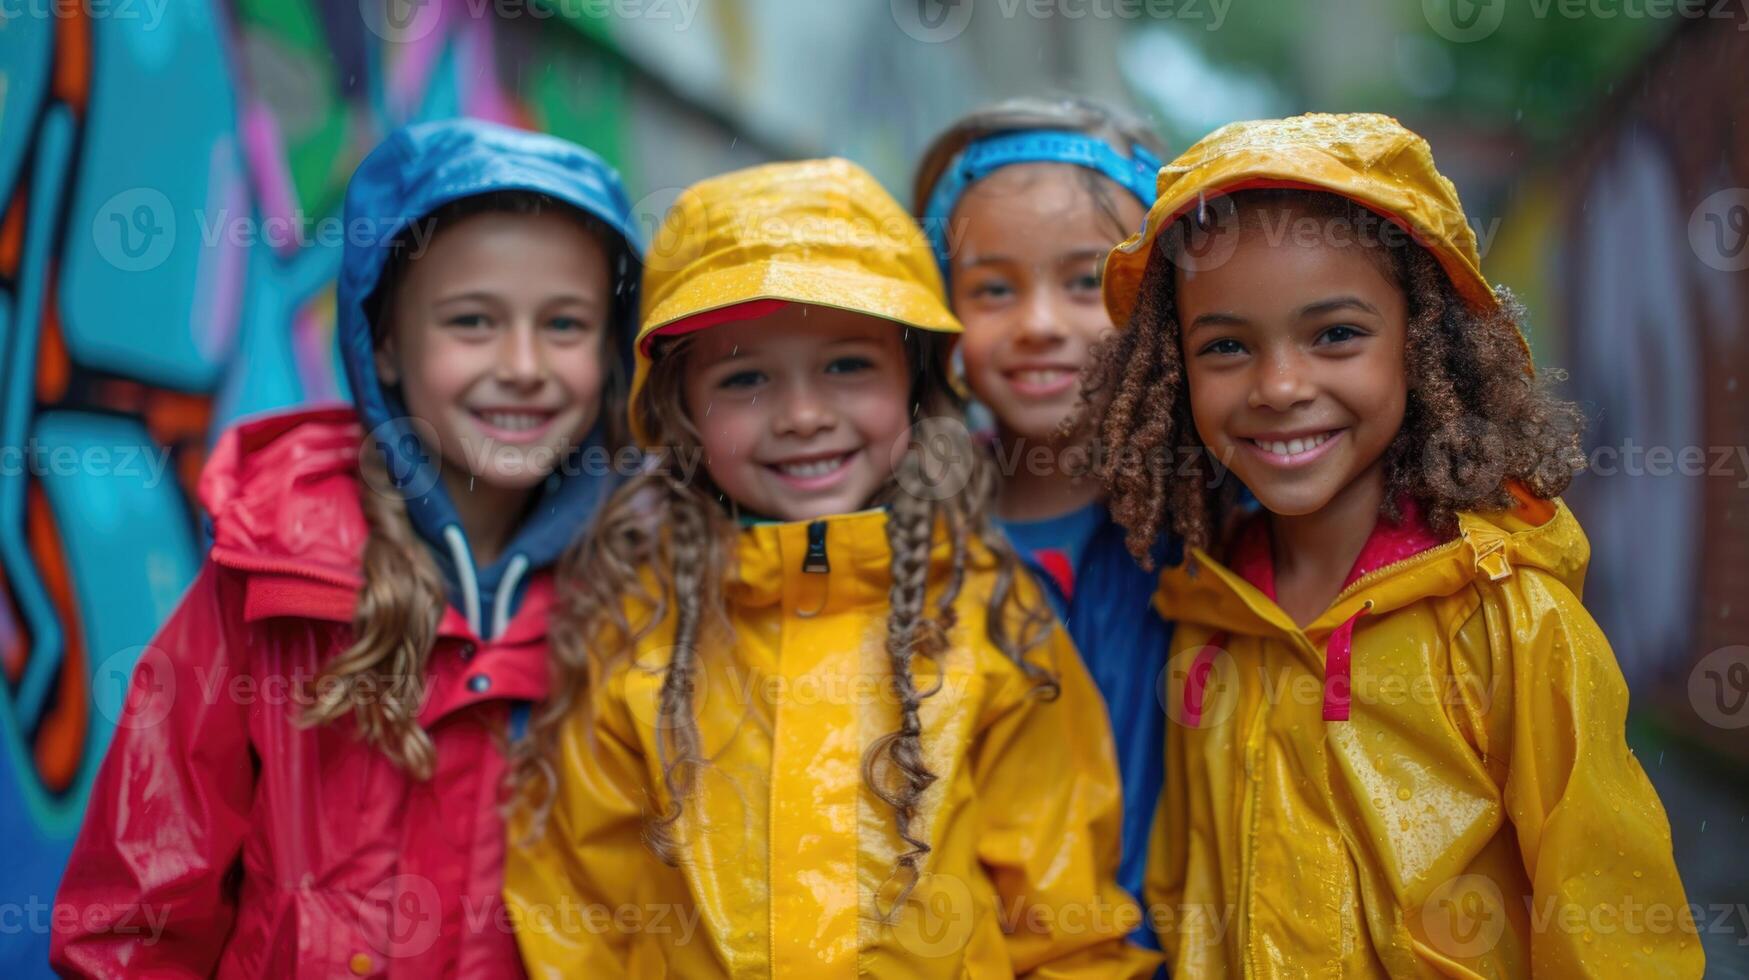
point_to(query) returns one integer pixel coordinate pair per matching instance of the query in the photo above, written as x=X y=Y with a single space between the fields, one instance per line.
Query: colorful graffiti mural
x=171 y=182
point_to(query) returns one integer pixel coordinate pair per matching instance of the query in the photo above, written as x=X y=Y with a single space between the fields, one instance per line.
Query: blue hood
x=417 y=170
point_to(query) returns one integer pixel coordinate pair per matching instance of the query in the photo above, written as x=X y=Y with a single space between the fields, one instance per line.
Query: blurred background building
x=171 y=174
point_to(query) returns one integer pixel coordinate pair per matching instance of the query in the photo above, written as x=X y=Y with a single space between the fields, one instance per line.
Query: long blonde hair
x=680 y=531
x=379 y=679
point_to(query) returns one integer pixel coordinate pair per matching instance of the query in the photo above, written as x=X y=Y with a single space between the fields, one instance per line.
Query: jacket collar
x=832 y=562
x=1489 y=546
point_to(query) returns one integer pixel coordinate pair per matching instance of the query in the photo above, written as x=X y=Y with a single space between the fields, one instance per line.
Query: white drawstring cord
x=464 y=572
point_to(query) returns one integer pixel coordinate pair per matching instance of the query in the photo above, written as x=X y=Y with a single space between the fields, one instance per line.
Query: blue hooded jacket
x=417 y=170
x=1124 y=642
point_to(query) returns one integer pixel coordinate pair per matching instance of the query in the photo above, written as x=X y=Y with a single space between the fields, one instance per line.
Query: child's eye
x=568 y=324
x=992 y=289
x=1088 y=283
x=1225 y=347
x=469 y=321
x=848 y=365
x=742 y=379
x=1340 y=333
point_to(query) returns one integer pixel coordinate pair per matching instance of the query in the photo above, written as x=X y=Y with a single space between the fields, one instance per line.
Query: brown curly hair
x=1476 y=419
x=663 y=543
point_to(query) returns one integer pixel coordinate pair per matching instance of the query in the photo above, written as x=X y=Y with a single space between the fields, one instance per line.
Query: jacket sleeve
x=1052 y=807
x=148 y=886
x=590 y=857
x=1593 y=835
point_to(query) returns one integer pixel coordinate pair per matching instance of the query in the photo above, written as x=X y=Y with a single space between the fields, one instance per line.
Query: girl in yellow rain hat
x=1398 y=739
x=812 y=719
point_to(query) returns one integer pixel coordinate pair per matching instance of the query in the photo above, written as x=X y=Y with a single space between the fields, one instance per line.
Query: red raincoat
x=222 y=837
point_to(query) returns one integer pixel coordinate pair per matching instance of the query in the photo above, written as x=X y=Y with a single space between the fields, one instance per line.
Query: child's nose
x=1041 y=322
x=521 y=360
x=805 y=411
x=1282 y=382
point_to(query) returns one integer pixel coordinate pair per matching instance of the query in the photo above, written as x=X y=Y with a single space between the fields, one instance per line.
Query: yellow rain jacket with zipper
x=786 y=857
x=1476 y=814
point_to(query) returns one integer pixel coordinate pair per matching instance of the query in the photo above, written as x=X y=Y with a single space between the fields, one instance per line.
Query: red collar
x=1253 y=558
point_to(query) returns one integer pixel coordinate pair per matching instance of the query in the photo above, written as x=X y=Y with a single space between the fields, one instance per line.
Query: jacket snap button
x=468 y=650
x=360 y=964
x=479 y=683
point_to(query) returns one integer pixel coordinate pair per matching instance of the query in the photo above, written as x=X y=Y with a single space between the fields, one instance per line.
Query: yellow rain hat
x=820 y=232
x=1368 y=158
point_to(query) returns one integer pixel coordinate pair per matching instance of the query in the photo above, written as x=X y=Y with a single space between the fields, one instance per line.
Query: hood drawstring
x=469 y=581
x=1196 y=682
x=1338 y=675
x=506 y=589
x=465 y=576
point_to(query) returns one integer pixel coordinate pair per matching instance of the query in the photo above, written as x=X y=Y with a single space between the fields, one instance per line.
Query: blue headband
x=1135 y=173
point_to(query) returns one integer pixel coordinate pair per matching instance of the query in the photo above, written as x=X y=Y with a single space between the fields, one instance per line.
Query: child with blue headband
x=1022 y=201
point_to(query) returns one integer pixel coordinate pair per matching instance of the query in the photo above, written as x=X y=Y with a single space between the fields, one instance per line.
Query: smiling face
x=799 y=412
x=1294 y=356
x=497 y=340
x=1025 y=282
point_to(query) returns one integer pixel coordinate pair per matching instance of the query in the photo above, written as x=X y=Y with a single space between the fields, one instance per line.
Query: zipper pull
x=815 y=560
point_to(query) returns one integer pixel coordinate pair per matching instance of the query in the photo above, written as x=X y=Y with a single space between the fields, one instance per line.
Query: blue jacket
x=417 y=170
x=1124 y=641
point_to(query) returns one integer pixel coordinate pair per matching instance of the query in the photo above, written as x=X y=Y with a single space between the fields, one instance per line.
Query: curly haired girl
x=809 y=701
x=1399 y=745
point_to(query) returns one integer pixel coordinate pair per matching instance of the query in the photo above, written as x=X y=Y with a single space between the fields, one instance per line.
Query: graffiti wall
x=170 y=174
x=1654 y=289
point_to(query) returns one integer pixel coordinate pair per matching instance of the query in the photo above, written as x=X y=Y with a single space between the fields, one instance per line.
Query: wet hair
x=663 y=545
x=379 y=679
x=1096 y=119
x=1475 y=422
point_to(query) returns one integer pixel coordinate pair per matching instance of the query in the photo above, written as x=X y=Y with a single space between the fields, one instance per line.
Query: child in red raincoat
x=305 y=779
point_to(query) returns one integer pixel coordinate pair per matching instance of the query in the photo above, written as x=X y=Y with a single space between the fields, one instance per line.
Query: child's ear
x=388 y=361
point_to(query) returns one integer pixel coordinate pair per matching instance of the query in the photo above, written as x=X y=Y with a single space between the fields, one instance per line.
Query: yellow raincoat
x=786 y=857
x=1478 y=814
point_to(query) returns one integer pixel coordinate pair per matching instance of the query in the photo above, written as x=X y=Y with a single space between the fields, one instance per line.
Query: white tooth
x=1295 y=447
x=1278 y=448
